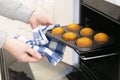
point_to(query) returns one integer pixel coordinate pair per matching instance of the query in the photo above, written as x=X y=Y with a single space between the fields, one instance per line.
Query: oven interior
x=94 y=19
x=96 y=66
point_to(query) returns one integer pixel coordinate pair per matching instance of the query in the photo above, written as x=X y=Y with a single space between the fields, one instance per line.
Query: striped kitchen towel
x=46 y=46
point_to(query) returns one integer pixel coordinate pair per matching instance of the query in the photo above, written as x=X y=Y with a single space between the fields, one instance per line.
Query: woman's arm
x=15 y=10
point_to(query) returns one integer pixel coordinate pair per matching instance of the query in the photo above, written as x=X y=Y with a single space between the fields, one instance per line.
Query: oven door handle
x=95 y=57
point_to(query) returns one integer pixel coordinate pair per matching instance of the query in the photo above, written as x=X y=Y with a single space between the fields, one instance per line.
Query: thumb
x=49 y=22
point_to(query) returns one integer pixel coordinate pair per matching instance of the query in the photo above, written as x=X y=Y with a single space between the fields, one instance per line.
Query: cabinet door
x=3 y=67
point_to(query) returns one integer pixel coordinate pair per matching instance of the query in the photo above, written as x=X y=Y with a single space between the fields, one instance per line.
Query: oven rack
x=95 y=56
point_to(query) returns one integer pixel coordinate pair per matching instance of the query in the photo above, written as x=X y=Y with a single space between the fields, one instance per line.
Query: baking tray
x=80 y=50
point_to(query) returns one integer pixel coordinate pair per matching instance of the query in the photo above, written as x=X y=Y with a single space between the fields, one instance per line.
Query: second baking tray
x=72 y=44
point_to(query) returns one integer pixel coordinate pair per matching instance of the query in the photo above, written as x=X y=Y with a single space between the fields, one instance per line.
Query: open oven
x=101 y=63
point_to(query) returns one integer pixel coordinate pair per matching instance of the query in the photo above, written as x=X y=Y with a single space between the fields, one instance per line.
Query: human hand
x=37 y=19
x=21 y=51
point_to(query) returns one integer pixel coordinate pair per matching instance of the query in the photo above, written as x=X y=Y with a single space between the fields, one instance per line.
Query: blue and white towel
x=46 y=46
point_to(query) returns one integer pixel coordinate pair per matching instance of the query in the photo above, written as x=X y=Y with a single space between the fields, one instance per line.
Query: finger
x=34 y=54
x=31 y=59
x=28 y=58
x=50 y=22
x=34 y=24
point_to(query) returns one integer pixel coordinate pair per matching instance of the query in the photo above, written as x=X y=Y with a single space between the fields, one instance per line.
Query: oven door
x=107 y=68
x=81 y=73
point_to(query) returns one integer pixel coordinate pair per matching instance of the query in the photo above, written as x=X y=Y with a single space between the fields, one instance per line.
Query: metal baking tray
x=72 y=44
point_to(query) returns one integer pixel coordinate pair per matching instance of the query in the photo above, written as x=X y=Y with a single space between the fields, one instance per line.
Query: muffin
x=58 y=30
x=84 y=42
x=86 y=31
x=73 y=27
x=69 y=36
x=101 y=37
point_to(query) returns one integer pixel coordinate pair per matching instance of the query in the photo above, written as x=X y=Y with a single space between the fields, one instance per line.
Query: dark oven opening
x=95 y=63
x=93 y=18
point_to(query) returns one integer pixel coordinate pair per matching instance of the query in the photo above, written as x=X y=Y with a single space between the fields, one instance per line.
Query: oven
x=101 y=63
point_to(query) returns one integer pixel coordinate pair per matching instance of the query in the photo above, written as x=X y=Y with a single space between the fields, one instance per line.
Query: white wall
x=64 y=11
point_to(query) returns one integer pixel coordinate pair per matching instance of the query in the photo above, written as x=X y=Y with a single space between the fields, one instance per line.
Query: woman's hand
x=37 y=19
x=21 y=51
